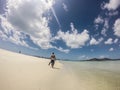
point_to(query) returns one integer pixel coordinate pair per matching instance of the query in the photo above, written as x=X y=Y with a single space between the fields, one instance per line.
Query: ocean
x=96 y=75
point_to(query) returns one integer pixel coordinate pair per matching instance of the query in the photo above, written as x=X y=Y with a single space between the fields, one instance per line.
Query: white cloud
x=27 y=16
x=93 y=41
x=54 y=14
x=99 y=20
x=106 y=23
x=102 y=56
x=112 y=5
x=109 y=41
x=65 y=7
x=117 y=27
x=2 y=35
x=103 y=32
x=116 y=40
x=100 y=39
x=105 y=27
x=96 y=26
x=8 y=34
x=73 y=39
x=83 y=57
x=111 y=49
x=62 y=50
x=112 y=13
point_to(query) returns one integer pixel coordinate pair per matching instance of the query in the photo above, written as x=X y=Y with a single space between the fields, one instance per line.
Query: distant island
x=93 y=59
x=101 y=59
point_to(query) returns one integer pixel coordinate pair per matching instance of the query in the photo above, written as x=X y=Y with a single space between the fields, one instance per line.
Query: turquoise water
x=97 y=75
x=113 y=66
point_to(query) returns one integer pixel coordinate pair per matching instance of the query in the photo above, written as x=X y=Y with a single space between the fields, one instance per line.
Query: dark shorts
x=52 y=61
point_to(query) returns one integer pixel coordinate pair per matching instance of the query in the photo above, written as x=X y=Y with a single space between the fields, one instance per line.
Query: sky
x=72 y=29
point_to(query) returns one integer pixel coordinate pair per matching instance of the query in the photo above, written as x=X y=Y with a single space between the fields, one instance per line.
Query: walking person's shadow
x=56 y=68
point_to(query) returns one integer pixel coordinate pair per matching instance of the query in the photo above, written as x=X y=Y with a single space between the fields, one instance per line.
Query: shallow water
x=96 y=75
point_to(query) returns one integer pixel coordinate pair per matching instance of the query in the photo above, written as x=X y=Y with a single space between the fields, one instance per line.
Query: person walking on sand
x=52 y=60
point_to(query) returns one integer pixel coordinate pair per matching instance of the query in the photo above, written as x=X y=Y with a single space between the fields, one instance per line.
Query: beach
x=23 y=72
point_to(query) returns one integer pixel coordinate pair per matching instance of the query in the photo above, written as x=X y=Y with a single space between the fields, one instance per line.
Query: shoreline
x=22 y=72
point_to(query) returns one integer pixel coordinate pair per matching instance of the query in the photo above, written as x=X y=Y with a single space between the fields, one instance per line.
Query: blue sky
x=73 y=29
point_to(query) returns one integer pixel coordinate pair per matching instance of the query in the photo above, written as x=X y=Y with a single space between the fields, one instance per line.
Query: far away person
x=52 y=60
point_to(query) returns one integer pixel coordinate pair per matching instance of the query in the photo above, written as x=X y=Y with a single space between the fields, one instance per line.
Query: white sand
x=22 y=72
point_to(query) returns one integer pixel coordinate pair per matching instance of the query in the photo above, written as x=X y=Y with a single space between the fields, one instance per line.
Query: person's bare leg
x=52 y=64
x=49 y=63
